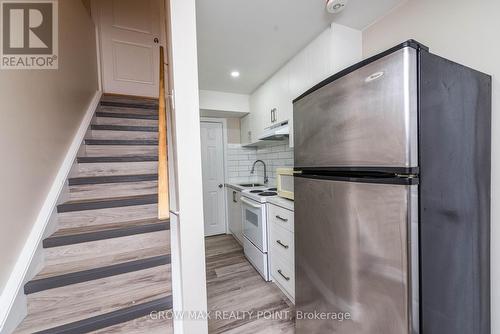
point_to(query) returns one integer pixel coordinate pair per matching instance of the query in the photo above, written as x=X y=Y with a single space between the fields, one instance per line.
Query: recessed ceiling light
x=335 y=6
x=235 y=74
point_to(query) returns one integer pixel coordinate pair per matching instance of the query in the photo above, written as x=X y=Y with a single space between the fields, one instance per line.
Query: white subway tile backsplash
x=232 y=174
x=285 y=155
x=240 y=161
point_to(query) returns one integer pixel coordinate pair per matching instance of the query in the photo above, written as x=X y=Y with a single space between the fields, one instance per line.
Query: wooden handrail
x=163 y=200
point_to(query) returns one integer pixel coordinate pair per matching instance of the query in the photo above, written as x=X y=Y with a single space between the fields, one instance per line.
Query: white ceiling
x=257 y=37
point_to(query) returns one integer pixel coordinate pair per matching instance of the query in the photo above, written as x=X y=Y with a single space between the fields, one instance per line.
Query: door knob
x=156 y=40
x=221 y=185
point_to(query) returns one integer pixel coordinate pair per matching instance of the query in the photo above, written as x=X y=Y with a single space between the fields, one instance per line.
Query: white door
x=212 y=158
x=130 y=38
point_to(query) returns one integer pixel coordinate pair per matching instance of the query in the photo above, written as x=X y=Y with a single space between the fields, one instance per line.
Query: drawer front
x=281 y=217
x=282 y=244
x=257 y=258
x=283 y=273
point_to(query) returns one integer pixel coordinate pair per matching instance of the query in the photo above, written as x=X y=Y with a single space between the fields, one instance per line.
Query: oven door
x=254 y=228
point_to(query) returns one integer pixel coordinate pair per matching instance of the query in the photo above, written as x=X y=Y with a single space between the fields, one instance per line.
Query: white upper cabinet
x=319 y=58
x=247 y=136
x=335 y=49
x=282 y=97
x=300 y=77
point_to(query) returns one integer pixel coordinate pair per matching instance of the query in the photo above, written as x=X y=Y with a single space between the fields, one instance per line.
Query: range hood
x=279 y=131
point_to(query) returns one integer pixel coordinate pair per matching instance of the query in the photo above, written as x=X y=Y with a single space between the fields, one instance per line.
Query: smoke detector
x=335 y=6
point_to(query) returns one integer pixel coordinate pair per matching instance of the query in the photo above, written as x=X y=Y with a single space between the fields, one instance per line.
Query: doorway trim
x=222 y=121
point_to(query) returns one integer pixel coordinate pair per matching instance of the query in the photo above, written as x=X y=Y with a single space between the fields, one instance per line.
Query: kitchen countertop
x=282 y=202
x=237 y=187
x=234 y=186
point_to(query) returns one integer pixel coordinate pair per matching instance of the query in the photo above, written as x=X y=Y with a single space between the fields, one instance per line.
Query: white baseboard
x=18 y=275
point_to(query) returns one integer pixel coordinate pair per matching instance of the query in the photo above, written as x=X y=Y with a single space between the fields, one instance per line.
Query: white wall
x=222 y=101
x=41 y=111
x=187 y=231
x=466 y=32
x=233 y=130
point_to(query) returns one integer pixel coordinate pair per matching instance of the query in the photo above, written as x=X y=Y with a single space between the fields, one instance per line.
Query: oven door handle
x=247 y=202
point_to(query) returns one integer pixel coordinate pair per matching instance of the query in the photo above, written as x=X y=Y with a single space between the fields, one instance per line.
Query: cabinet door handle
x=274 y=118
x=281 y=218
x=234 y=197
x=282 y=275
x=282 y=244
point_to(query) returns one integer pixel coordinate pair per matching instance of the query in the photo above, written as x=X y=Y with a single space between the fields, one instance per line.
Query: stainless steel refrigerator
x=392 y=198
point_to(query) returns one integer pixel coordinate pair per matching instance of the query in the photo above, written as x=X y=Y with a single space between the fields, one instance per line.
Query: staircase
x=107 y=265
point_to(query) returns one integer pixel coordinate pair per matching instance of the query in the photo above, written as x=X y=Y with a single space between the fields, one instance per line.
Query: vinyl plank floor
x=233 y=285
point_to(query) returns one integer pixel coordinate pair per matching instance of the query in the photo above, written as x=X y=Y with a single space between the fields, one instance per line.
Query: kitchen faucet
x=265 y=171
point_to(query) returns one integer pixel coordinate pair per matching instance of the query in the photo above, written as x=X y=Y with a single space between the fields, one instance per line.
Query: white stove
x=260 y=194
x=255 y=229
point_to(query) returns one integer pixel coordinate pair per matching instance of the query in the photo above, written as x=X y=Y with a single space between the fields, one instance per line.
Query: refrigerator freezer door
x=356 y=256
x=367 y=118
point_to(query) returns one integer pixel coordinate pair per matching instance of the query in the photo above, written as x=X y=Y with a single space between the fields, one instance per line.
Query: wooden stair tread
x=106 y=227
x=125 y=115
x=107 y=216
x=136 y=105
x=90 y=191
x=140 y=326
x=114 y=169
x=68 y=304
x=104 y=252
x=121 y=142
x=127 y=97
x=104 y=203
x=116 y=318
x=98 y=262
x=97 y=127
x=128 y=109
x=71 y=236
x=73 y=181
x=110 y=199
x=120 y=150
x=38 y=284
x=139 y=158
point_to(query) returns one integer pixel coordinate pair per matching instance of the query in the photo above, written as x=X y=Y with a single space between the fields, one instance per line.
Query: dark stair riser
x=148 y=106
x=43 y=284
x=78 y=181
x=112 y=318
x=88 y=160
x=125 y=115
x=102 y=127
x=120 y=142
x=107 y=204
x=72 y=239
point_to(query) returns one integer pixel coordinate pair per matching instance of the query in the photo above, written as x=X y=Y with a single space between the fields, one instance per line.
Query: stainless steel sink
x=250 y=185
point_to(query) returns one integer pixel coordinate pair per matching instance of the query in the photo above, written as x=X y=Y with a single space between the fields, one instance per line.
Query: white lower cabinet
x=281 y=249
x=283 y=274
x=235 y=223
